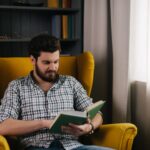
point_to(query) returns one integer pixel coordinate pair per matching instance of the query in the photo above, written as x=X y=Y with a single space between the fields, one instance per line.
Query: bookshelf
x=19 y=23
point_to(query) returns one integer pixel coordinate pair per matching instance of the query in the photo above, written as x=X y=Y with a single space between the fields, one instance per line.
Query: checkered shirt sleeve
x=10 y=104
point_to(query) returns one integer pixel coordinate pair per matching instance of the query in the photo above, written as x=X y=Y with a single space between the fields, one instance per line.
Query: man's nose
x=52 y=66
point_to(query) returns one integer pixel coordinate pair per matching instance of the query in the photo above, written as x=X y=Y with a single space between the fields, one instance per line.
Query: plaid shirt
x=25 y=100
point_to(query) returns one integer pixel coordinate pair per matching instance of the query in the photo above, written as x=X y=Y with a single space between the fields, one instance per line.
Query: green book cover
x=93 y=109
x=67 y=117
x=75 y=117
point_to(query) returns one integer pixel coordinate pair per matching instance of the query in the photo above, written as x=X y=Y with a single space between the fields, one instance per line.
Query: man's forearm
x=21 y=127
x=97 y=121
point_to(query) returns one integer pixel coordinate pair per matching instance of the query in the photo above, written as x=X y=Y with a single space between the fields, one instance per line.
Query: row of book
x=59 y=3
x=63 y=26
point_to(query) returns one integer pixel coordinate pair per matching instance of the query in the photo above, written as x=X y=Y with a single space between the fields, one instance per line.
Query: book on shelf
x=66 y=3
x=56 y=26
x=68 y=27
x=75 y=117
x=65 y=27
x=53 y=3
x=59 y=3
x=71 y=27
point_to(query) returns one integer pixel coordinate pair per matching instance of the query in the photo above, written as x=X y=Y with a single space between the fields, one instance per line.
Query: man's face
x=46 y=66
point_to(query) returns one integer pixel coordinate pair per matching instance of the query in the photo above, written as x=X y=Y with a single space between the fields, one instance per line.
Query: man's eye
x=46 y=63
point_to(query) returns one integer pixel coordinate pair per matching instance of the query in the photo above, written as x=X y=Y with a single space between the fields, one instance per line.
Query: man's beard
x=48 y=76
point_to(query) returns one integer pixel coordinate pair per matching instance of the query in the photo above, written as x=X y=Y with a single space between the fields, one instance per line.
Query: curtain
x=130 y=34
x=95 y=40
x=120 y=14
x=130 y=24
x=139 y=69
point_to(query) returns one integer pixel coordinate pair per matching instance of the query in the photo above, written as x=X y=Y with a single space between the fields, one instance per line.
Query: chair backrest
x=81 y=67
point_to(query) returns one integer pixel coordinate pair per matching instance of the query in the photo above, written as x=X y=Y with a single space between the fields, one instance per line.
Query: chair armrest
x=3 y=143
x=119 y=136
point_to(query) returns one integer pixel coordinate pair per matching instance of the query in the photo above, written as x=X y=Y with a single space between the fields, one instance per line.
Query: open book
x=75 y=117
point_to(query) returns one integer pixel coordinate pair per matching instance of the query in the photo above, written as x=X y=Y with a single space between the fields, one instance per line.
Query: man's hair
x=43 y=43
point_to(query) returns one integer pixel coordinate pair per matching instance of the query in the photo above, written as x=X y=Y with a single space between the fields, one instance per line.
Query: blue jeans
x=91 y=147
x=56 y=145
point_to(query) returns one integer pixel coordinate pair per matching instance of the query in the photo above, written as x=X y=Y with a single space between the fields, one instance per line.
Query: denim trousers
x=56 y=145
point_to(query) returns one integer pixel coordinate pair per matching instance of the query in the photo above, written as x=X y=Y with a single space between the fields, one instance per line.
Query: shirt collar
x=31 y=81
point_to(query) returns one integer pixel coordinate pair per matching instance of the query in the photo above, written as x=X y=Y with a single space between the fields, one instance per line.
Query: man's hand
x=77 y=130
x=86 y=128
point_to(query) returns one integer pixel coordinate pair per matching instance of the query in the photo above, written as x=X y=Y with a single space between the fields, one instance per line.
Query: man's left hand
x=77 y=130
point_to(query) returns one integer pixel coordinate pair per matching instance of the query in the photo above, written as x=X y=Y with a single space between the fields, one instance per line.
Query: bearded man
x=31 y=103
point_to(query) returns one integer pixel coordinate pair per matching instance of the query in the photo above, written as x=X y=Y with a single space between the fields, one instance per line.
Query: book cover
x=67 y=117
x=70 y=27
x=66 y=3
x=56 y=26
x=53 y=3
x=65 y=27
x=76 y=117
x=93 y=109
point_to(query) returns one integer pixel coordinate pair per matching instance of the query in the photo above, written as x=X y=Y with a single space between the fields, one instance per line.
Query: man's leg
x=35 y=148
x=55 y=145
x=51 y=148
x=91 y=147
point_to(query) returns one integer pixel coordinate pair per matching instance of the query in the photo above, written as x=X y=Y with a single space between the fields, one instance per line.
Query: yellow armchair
x=117 y=136
x=3 y=143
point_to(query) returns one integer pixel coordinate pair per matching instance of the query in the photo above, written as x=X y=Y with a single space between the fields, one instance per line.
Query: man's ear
x=33 y=60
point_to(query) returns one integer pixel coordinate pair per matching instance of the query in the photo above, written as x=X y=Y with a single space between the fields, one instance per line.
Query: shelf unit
x=20 y=23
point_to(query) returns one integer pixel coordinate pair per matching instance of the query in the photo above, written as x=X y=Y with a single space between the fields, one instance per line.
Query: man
x=31 y=103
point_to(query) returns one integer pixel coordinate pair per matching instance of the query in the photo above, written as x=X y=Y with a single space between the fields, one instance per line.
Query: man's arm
x=20 y=127
x=79 y=130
